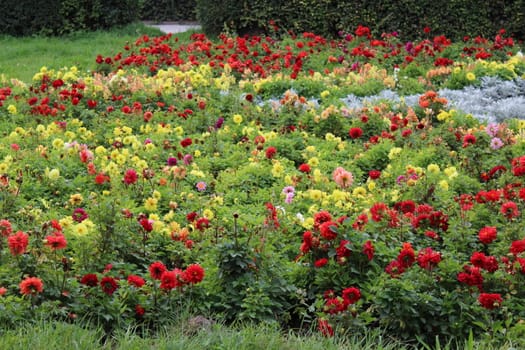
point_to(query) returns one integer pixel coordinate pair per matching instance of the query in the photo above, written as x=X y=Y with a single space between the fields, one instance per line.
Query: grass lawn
x=21 y=58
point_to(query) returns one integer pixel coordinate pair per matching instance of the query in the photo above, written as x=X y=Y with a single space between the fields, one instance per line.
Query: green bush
x=29 y=17
x=329 y=17
x=26 y=17
x=214 y=16
x=168 y=10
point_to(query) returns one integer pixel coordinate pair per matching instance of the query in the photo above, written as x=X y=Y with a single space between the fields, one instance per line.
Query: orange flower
x=31 y=286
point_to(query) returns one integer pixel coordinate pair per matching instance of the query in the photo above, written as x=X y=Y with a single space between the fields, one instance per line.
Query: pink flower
x=342 y=177
x=201 y=186
x=496 y=143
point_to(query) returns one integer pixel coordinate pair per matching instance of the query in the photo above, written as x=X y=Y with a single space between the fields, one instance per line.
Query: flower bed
x=232 y=180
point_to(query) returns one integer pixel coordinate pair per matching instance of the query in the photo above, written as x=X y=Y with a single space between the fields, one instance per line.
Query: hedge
x=56 y=17
x=168 y=10
x=453 y=18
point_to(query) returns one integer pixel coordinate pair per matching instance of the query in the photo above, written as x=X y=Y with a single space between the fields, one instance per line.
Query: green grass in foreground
x=57 y=336
x=21 y=58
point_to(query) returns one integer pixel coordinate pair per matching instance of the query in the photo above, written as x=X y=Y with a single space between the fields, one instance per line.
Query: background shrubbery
x=168 y=10
x=455 y=19
x=452 y=18
x=56 y=17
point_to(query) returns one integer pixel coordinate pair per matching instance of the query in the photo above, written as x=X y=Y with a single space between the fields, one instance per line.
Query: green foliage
x=58 y=17
x=328 y=17
x=432 y=309
x=216 y=16
x=168 y=10
x=250 y=287
x=375 y=158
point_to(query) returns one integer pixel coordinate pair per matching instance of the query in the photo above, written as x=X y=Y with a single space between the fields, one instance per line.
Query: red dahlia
x=193 y=274
x=490 y=301
x=156 y=270
x=487 y=234
x=109 y=285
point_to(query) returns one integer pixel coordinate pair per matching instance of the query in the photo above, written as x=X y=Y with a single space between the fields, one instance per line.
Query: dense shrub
x=454 y=19
x=168 y=10
x=29 y=17
x=26 y=17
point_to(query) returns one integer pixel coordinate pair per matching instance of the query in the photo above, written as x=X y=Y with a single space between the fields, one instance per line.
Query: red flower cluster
x=186 y=142
x=320 y=262
x=355 y=133
x=471 y=276
x=146 y=223
x=517 y=247
x=325 y=328
x=468 y=139
x=406 y=256
x=271 y=218
x=271 y=152
x=428 y=258
x=201 y=223
x=5 y=228
x=328 y=230
x=337 y=304
x=193 y=274
x=363 y=31
x=136 y=281
x=488 y=263
x=490 y=301
x=374 y=174
x=518 y=166
x=156 y=270
x=323 y=242
x=169 y=280
x=426 y=217
x=56 y=241
x=304 y=168
x=130 y=177
x=487 y=234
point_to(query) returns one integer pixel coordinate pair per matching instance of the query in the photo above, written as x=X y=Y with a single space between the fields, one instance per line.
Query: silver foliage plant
x=494 y=100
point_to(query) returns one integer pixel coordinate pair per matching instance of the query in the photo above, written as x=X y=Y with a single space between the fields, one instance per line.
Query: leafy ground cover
x=228 y=179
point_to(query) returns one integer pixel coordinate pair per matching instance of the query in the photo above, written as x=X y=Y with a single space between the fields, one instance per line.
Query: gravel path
x=174 y=27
